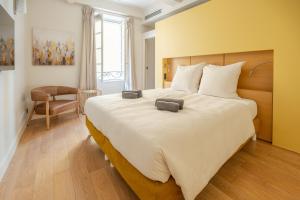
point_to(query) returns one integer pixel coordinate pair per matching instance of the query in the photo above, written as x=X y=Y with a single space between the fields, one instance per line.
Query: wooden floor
x=63 y=164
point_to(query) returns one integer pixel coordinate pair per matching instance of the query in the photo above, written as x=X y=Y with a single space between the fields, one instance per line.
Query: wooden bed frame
x=256 y=82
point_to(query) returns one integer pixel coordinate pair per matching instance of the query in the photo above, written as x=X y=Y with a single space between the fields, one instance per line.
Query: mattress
x=190 y=145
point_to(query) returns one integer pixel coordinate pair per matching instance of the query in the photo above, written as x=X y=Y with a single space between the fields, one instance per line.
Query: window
x=109 y=34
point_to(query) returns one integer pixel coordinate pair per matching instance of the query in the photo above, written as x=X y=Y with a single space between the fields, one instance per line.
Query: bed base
x=143 y=187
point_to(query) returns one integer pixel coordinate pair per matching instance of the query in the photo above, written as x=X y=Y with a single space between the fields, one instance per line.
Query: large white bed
x=190 y=145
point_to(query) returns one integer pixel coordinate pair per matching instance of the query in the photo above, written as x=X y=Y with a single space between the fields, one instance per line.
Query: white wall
x=54 y=15
x=12 y=94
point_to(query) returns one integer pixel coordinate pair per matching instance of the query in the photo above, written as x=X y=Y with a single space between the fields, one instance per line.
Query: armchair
x=45 y=102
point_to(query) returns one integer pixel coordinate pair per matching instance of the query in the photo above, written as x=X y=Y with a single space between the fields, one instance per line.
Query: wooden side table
x=85 y=94
x=166 y=84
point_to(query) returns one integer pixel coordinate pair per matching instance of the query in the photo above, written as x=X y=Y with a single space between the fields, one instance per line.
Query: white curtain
x=130 y=81
x=88 y=80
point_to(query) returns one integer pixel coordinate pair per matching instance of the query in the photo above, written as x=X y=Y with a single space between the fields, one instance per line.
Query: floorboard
x=63 y=164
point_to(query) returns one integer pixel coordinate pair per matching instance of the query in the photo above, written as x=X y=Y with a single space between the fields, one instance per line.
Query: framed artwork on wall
x=50 y=47
x=7 y=46
x=7 y=51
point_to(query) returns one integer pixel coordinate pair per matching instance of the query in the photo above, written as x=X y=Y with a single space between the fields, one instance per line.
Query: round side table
x=84 y=95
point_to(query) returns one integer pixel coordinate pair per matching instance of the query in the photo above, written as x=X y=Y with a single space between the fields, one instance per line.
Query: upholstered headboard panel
x=255 y=82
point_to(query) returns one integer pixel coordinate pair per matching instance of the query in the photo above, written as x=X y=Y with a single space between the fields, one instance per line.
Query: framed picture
x=50 y=47
x=7 y=51
x=7 y=47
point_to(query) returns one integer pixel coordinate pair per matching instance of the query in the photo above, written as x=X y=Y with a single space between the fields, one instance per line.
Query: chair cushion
x=56 y=107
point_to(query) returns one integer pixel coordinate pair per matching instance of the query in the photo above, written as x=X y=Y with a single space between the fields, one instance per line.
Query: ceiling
x=143 y=4
x=164 y=8
x=148 y=5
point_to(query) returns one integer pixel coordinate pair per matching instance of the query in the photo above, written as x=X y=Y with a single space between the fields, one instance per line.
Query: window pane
x=112 y=54
x=98 y=56
x=98 y=40
x=98 y=26
x=98 y=71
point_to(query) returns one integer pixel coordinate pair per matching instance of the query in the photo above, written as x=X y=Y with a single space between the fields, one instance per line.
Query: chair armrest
x=91 y=92
x=38 y=95
x=63 y=90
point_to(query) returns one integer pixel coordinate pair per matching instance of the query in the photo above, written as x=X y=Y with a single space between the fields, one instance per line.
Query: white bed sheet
x=190 y=145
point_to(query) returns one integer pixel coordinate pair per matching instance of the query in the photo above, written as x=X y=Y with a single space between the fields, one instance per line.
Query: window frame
x=104 y=19
x=101 y=48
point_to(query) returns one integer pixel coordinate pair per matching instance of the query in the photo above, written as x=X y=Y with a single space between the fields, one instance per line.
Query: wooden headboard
x=255 y=82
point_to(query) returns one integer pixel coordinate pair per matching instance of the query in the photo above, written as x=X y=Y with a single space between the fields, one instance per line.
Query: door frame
x=146 y=35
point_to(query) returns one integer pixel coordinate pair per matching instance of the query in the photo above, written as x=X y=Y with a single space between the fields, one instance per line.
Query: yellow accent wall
x=224 y=26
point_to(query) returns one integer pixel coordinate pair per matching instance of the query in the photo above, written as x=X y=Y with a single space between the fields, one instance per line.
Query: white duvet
x=190 y=145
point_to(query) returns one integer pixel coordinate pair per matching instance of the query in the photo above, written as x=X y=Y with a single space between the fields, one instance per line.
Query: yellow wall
x=223 y=26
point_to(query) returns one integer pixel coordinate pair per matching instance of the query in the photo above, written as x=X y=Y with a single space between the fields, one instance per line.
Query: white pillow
x=187 y=78
x=221 y=81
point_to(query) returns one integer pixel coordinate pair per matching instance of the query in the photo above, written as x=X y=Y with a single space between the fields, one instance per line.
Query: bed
x=163 y=155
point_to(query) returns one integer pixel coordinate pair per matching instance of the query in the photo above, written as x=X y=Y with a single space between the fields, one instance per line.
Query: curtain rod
x=115 y=13
x=105 y=11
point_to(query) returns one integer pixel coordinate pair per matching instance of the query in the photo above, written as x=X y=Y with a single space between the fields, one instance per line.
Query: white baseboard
x=5 y=160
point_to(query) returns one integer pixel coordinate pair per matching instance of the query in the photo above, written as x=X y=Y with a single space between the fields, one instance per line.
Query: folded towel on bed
x=179 y=101
x=131 y=94
x=168 y=106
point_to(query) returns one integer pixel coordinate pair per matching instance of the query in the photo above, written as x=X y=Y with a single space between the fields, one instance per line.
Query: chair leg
x=47 y=115
x=31 y=113
x=78 y=98
x=78 y=110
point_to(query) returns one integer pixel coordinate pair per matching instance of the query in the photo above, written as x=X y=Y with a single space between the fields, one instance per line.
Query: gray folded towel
x=130 y=95
x=138 y=92
x=179 y=101
x=168 y=106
